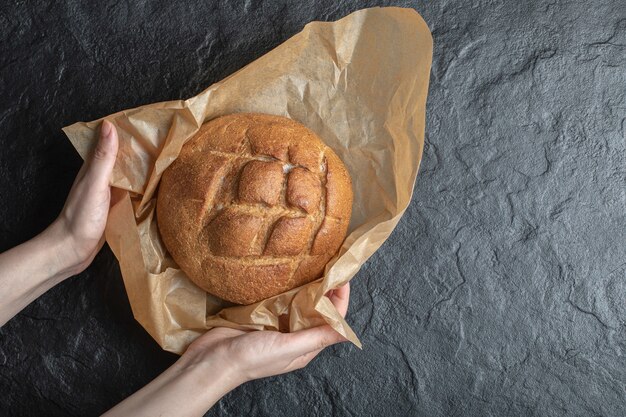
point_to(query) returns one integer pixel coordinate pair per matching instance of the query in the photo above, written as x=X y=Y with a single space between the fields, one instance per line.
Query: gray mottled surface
x=503 y=290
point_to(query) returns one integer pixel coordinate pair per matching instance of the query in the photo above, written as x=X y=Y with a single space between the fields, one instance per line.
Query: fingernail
x=106 y=128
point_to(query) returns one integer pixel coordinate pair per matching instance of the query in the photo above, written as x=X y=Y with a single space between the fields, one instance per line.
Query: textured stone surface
x=503 y=290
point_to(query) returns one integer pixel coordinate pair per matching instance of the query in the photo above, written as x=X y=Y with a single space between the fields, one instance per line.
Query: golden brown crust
x=304 y=190
x=261 y=182
x=253 y=206
x=289 y=236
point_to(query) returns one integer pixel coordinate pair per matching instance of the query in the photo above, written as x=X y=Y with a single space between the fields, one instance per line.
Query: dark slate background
x=503 y=290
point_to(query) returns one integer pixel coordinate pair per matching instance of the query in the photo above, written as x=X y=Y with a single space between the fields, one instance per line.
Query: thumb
x=103 y=158
x=314 y=339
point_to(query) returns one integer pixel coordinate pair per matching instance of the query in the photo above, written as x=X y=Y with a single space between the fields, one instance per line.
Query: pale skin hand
x=214 y=364
x=86 y=209
x=222 y=359
x=70 y=243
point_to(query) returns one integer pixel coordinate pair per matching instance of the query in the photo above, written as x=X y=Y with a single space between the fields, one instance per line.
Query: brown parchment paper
x=360 y=83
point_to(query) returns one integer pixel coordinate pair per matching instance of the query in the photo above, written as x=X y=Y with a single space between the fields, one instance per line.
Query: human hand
x=222 y=359
x=258 y=354
x=70 y=243
x=83 y=218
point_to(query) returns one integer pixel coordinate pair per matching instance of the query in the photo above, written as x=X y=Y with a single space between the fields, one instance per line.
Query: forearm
x=29 y=270
x=188 y=388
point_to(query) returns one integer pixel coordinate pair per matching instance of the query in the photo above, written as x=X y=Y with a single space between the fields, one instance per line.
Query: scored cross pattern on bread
x=253 y=206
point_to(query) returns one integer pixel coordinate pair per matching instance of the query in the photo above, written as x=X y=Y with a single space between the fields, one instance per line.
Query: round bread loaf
x=253 y=206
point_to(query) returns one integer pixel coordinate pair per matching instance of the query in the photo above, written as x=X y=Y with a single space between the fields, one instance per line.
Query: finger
x=302 y=361
x=308 y=357
x=102 y=160
x=309 y=340
x=340 y=297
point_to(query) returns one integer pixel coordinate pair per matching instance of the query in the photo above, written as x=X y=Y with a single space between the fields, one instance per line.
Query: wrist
x=188 y=388
x=212 y=362
x=58 y=241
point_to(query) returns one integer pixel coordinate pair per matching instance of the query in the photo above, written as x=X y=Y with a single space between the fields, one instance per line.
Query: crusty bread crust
x=253 y=206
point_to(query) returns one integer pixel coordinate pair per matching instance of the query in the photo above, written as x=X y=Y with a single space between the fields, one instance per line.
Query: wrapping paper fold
x=360 y=83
